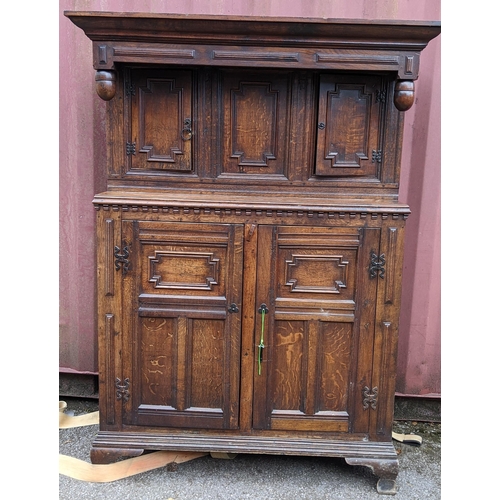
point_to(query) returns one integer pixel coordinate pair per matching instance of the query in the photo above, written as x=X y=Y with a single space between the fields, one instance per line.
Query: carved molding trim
x=392 y=241
x=109 y=283
x=254 y=56
x=109 y=335
x=250 y=212
x=368 y=59
x=145 y=52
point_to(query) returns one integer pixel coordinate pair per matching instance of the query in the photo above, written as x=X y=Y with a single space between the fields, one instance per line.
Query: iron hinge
x=121 y=258
x=370 y=398
x=122 y=389
x=130 y=148
x=376 y=155
x=377 y=263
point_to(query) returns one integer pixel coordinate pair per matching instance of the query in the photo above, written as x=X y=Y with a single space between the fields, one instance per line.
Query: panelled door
x=182 y=323
x=350 y=124
x=315 y=328
x=160 y=120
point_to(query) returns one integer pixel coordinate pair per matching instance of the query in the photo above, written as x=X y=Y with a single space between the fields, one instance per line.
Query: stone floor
x=259 y=477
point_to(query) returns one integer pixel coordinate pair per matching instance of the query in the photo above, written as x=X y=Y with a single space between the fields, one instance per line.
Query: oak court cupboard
x=250 y=238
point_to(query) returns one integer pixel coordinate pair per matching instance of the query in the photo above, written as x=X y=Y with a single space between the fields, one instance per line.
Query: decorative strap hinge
x=122 y=389
x=121 y=258
x=376 y=155
x=129 y=89
x=377 y=264
x=370 y=398
x=380 y=96
x=130 y=148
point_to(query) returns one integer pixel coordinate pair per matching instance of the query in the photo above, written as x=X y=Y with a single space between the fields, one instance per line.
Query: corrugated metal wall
x=82 y=146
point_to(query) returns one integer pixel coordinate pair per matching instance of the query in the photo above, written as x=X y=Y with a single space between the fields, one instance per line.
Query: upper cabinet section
x=259 y=105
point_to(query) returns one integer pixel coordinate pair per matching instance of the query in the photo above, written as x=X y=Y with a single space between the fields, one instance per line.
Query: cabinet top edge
x=137 y=25
x=234 y=202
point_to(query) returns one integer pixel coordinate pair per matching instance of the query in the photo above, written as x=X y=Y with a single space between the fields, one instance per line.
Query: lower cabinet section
x=248 y=338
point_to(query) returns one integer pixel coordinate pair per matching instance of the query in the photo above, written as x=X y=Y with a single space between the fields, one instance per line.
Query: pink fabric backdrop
x=81 y=119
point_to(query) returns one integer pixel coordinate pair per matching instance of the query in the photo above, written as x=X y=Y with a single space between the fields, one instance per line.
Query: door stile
x=234 y=324
x=266 y=255
x=109 y=318
x=129 y=317
x=387 y=326
x=248 y=318
x=363 y=395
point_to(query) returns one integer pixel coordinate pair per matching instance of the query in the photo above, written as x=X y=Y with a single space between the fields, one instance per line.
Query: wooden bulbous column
x=105 y=84
x=404 y=94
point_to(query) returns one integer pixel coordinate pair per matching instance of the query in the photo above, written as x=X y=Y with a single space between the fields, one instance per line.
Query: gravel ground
x=259 y=477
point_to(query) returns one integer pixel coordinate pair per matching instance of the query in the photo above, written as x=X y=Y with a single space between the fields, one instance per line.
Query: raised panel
x=207 y=365
x=334 y=362
x=316 y=273
x=317 y=264
x=254 y=126
x=349 y=120
x=157 y=355
x=185 y=259
x=161 y=120
x=288 y=346
x=254 y=123
x=183 y=270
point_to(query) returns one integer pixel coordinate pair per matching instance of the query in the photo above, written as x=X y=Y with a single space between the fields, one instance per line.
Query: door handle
x=187 y=133
x=263 y=310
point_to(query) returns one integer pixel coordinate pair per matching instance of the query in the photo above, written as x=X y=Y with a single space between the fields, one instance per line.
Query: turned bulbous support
x=404 y=94
x=105 y=84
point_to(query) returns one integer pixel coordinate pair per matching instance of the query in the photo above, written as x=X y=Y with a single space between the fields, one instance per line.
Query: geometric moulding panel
x=183 y=270
x=316 y=273
x=254 y=123
x=349 y=124
x=160 y=121
x=347 y=153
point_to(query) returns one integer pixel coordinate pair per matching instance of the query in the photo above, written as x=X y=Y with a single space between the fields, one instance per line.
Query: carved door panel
x=254 y=126
x=182 y=321
x=350 y=114
x=316 y=320
x=161 y=127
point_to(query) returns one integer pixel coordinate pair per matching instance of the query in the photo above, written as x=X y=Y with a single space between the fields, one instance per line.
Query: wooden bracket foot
x=111 y=455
